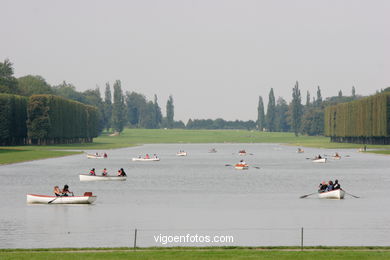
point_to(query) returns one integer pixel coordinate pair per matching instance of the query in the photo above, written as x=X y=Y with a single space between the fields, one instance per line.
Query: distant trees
x=219 y=123
x=118 y=109
x=33 y=85
x=260 y=115
x=107 y=111
x=281 y=116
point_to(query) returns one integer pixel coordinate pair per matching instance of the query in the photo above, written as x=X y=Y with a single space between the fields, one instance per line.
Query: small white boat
x=212 y=150
x=88 y=177
x=154 y=159
x=320 y=160
x=333 y=194
x=240 y=166
x=181 y=153
x=336 y=157
x=45 y=199
x=300 y=150
x=94 y=156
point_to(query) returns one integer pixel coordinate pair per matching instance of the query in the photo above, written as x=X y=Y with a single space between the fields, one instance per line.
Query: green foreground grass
x=199 y=253
x=132 y=137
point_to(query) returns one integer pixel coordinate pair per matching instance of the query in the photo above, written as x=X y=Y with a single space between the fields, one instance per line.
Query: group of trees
x=296 y=117
x=219 y=123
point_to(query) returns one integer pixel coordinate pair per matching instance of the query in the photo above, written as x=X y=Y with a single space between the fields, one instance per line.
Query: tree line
x=307 y=119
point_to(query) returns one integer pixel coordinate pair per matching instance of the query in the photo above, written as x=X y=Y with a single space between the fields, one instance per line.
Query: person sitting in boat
x=104 y=173
x=336 y=185
x=147 y=156
x=330 y=186
x=242 y=162
x=92 y=171
x=121 y=172
x=57 y=191
x=322 y=187
x=155 y=156
x=318 y=157
x=105 y=155
x=336 y=154
x=66 y=191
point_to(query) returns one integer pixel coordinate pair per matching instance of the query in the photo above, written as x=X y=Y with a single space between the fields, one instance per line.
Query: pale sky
x=214 y=56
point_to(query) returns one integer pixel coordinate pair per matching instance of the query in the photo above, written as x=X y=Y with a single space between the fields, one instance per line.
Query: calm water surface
x=199 y=195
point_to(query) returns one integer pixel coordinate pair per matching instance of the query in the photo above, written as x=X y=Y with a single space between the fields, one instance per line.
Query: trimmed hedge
x=364 y=118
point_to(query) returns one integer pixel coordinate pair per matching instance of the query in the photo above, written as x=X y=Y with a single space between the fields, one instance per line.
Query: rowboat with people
x=319 y=160
x=88 y=198
x=300 y=150
x=147 y=158
x=212 y=150
x=242 y=152
x=96 y=156
x=88 y=177
x=181 y=153
x=241 y=166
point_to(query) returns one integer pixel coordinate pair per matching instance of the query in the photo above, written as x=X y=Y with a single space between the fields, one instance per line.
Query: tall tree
x=135 y=104
x=8 y=83
x=118 y=109
x=296 y=115
x=157 y=112
x=107 y=107
x=340 y=93
x=319 y=97
x=271 y=111
x=170 y=112
x=260 y=115
x=307 y=98
x=353 y=92
x=93 y=98
x=281 y=124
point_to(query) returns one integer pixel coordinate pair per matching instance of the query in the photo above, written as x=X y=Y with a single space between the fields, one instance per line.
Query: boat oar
x=256 y=167
x=228 y=165
x=53 y=200
x=351 y=195
x=307 y=195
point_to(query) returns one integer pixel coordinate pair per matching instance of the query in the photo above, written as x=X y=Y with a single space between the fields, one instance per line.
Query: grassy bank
x=197 y=253
x=131 y=137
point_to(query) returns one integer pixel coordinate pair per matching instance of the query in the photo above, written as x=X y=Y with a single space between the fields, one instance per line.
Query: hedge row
x=368 y=117
x=13 y=116
x=45 y=119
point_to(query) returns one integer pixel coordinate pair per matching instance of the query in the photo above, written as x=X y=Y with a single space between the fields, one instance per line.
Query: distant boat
x=300 y=150
x=181 y=153
x=154 y=159
x=319 y=160
x=212 y=150
x=333 y=194
x=96 y=156
x=88 y=177
x=45 y=199
x=242 y=152
x=241 y=166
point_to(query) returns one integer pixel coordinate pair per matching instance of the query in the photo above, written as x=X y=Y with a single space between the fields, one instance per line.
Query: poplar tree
x=107 y=107
x=170 y=112
x=319 y=97
x=260 y=115
x=307 y=98
x=296 y=115
x=157 y=112
x=353 y=92
x=118 y=109
x=271 y=111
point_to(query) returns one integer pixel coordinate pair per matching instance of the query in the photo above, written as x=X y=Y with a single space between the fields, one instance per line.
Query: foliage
x=118 y=109
x=68 y=91
x=260 y=115
x=361 y=118
x=270 y=118
x=170 y=112
x=8 y=83
x=32 y=85
x=219 y=123
x=13 y=116
x=296 y=113
x=107 y=111
x=281 y=115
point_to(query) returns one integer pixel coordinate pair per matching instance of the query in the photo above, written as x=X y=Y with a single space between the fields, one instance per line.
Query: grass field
x=191 y=253
x=131 y=137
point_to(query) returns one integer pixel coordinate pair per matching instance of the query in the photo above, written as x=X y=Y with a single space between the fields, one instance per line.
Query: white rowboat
x=94 y=156
x=321 y=160
x=146 y=159
x=240 y=166
x=333 y=194
x=181 y=154
x=87 y=177
x=44 y=199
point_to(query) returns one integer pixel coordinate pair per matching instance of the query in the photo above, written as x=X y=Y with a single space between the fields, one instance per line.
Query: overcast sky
x=215 y=57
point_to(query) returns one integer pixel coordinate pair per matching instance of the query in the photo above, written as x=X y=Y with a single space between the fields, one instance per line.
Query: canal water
x=197 y=196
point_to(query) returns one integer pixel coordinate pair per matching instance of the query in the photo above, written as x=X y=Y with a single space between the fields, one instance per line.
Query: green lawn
x=217 y=253
x=131 y=137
